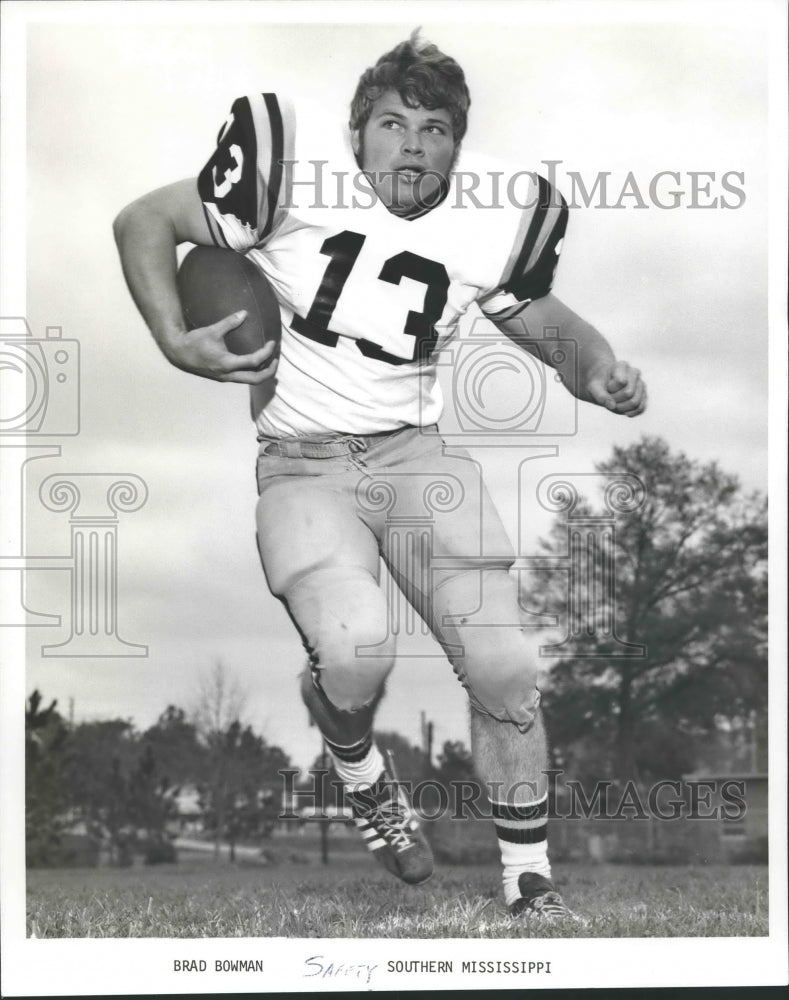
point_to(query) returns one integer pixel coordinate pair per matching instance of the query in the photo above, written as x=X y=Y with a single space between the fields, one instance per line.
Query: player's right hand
x=203 y=352
x=618 y=387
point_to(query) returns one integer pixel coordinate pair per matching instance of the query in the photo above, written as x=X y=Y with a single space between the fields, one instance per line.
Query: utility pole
x=323 y=819
x=324 y=822
x=427 y=738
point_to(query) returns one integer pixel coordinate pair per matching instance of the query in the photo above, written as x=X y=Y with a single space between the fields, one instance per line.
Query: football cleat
x=539 y=899
x=383 y=816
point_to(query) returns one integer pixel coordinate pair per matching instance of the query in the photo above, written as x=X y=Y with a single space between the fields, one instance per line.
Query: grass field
x=353 y=897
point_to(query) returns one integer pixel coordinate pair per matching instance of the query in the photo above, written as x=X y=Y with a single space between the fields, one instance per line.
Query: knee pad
x=342 y=616
x=487 y=646
x=499 y=678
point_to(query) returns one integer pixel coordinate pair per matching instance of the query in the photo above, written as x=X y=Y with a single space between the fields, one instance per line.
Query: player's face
x=407 y=153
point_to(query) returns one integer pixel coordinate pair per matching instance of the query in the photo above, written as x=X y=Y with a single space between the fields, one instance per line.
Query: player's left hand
x=619 y=387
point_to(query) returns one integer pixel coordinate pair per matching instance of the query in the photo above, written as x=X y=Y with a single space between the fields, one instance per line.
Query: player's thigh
x=305 y=526
x=445 y=523
x=323 y=563
x=450 y=555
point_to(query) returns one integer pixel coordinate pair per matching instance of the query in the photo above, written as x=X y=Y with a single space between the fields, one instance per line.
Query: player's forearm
x=548 y=319
x=592 y=353
x=146 y=241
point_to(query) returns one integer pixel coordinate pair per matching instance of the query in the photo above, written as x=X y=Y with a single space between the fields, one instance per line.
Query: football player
x=351 y=467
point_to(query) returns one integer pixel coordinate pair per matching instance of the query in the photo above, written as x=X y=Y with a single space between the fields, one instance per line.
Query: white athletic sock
x=522 y=833
x=358 y=766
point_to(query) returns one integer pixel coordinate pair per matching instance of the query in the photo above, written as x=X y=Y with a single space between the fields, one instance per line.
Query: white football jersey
x=367 y=297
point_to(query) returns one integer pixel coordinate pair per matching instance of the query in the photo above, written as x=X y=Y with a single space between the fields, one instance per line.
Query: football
x=213 y=283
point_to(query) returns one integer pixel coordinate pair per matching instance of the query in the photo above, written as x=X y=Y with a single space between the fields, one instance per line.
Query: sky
x=120 y=105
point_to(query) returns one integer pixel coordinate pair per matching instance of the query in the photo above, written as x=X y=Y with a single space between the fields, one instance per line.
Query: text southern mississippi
x=522 y=967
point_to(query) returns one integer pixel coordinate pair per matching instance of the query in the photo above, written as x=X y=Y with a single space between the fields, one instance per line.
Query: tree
x=99 y=759
x=151 y=804
x=410 y=761
x=172 y=759
x=690 y=586
x=415 y=770
x=217 y=716
x=174 y=743
x=252 y=803
x=45 y=738
x=455 y=763
x=456 y=773
x=241 y=785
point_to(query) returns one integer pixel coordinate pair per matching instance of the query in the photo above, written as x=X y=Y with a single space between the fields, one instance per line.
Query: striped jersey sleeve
x=243 y=183
x=530 y=268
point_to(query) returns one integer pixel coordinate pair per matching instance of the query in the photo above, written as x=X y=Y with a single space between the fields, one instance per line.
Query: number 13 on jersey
x=343 y=250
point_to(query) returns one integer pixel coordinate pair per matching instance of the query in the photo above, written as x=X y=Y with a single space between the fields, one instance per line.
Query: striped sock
x=522 y=832
x=358 y=766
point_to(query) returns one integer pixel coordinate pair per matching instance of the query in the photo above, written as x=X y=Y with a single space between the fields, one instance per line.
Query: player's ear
x=356 y=142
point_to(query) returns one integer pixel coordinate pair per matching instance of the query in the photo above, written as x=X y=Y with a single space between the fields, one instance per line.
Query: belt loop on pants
x=356 y=447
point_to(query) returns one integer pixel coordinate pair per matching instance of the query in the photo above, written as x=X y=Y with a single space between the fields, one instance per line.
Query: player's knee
x=501 y=682
x=493 y=660
x=343 y=616
x=353 y=660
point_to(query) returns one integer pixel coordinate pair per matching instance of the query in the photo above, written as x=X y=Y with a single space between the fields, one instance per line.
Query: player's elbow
x=129 y=219
x=172 y=215
x=121 y=224
x=141 y=221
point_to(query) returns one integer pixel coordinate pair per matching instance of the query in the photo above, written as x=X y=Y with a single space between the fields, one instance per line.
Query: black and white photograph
x=393 y=453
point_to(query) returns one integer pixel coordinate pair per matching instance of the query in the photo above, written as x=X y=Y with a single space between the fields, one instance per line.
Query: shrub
x=462 y=841
x=159 y=851
x=753 y=852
